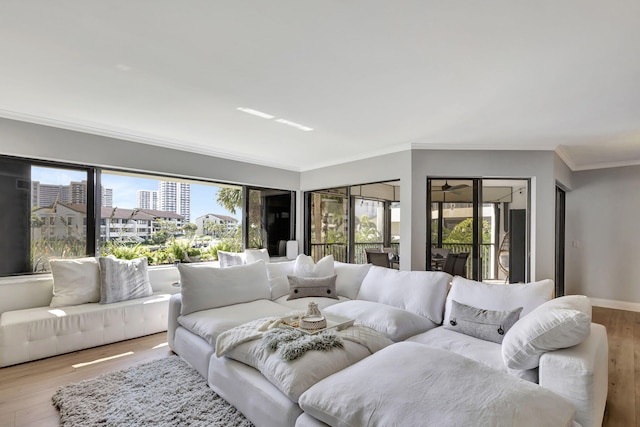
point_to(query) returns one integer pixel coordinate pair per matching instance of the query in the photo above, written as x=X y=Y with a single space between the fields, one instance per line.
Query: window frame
x=93 y=220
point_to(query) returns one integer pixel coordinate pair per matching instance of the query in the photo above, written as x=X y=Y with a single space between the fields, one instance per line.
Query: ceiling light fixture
x=295 y=125
x=255 y=113
x=269 y=117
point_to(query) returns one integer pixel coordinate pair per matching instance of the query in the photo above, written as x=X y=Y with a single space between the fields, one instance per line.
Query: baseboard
x=618 y=305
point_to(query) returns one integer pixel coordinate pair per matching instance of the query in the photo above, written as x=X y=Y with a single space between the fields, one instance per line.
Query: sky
x=203 y=196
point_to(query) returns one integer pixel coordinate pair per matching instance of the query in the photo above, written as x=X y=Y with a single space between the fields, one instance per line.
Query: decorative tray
x=333 y=322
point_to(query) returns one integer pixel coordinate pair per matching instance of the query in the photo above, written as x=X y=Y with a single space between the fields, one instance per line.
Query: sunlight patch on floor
x=93 y=362
x=164 y=344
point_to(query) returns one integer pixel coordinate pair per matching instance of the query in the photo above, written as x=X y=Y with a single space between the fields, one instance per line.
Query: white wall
x=603 y=219
x=48 y=143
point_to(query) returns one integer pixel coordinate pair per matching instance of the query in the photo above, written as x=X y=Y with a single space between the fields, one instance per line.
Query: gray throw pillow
x=486 y=325
x=229 y=259
x=122 y=280
x=302 y=287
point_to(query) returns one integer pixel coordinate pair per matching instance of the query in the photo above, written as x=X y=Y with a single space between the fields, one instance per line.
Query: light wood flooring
x=26 y=389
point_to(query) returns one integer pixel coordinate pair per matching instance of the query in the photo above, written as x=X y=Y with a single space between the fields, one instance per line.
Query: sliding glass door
x=482 y=223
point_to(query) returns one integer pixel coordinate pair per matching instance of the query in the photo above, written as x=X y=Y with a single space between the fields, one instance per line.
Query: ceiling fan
x=451 y=188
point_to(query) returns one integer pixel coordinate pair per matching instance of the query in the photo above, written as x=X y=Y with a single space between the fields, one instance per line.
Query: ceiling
x=370 y=77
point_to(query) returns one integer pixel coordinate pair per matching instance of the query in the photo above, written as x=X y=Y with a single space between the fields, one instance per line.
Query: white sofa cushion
x=75 y=281
x=278 y=280
x=394 y=323
x=204 y=286
x=35 y=333
x=350 y=277
x=409 y=384
x=419 y=292
x=305 y=267
x=253 y=255
x=486 y=352
x=498 y=297
x=121 y=279
x=559 y=323
x=208 y=324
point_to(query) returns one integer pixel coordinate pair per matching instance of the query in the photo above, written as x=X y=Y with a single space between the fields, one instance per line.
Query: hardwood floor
x=26 y=389
x=623 y=333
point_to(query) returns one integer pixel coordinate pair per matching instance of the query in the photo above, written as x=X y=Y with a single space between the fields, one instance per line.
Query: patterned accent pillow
x=486 y=325
x=302 y=287
x=122 y=280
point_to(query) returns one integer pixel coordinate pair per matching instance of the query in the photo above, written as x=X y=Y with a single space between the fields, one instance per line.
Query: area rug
x=165 y=392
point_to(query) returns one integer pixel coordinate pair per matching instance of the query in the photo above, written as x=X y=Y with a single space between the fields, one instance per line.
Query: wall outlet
x=575 y=243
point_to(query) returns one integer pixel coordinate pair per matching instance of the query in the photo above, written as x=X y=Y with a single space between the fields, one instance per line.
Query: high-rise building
x=107 y=197
x=78 y=192
x=175 y=197
x=45 y=195
x=147 y=199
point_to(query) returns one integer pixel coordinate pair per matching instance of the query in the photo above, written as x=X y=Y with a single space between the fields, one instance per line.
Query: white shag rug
x=166 y=392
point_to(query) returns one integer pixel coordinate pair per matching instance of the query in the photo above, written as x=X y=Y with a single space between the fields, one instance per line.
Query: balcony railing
x=339 y=251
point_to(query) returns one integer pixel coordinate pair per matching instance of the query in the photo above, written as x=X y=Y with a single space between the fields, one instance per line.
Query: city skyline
x=203 y=196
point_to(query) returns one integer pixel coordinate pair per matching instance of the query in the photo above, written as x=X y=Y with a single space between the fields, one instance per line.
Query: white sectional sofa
x=31 y=329
x=566 y=365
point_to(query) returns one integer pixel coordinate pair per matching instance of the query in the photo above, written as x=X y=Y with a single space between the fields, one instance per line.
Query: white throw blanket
x=228 y=340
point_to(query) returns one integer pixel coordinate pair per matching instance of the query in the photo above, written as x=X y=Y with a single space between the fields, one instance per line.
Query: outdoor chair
x=460 y=266
x=449 y=263
x=380 y=259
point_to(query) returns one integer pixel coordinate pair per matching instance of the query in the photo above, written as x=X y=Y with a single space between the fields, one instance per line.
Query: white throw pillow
x=229 y=259
x=305 y=267
x=498 y=297
x=278 y=280
x=204 y=286
x=75 y=281
x=394 y=323
x=559 y=323
x=253 y=255
x=420 y=292
x=122 y=279
x=350 y=277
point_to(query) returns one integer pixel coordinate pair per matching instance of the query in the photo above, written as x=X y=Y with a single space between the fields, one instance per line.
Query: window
x=487 y=219
x=270 y=220
x=44 y=210
x=51 y=210
x=168 y=219
x=374 y=211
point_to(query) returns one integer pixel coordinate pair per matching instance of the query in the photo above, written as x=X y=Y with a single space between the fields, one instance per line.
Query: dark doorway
x=560 y=240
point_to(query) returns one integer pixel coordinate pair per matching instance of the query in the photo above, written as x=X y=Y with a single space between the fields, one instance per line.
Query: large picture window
x=166 y=219
x=54 y=210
